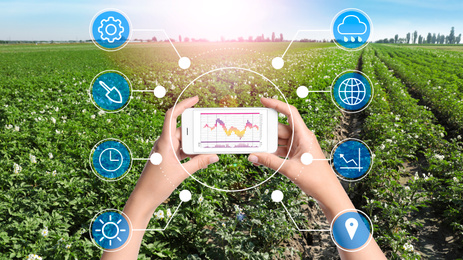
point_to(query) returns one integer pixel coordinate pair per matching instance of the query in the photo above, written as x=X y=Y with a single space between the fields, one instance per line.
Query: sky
x=211 y=19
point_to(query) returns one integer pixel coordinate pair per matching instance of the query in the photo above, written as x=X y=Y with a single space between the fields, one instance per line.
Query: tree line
x=259 y=38
x=431 y=38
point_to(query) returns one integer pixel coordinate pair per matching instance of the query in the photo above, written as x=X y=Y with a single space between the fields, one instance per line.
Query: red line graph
x=232 y=129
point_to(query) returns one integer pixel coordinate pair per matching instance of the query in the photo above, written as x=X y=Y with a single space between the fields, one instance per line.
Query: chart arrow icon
x=112 y=94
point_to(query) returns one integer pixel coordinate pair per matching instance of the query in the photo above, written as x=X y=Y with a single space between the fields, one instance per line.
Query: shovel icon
x=112 y=94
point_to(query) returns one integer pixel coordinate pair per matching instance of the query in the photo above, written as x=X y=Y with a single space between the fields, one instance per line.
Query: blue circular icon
x=110 y=30
x=110 y=230
x=352 y=91
x=351 y=230
x=111 y=159
x=351 y=29
x=110 y=91
x=352 y=160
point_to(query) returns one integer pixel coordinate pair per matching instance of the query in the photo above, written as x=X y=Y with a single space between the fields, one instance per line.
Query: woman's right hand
x=313 y=178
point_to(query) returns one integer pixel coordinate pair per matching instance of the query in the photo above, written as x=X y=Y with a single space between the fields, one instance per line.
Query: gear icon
x=111 y=29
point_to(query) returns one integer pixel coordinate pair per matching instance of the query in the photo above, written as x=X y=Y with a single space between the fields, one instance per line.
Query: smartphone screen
x=230 y=130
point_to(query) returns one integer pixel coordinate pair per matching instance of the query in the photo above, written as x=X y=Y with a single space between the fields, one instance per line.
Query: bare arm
x=316 y=179
x=157 y=182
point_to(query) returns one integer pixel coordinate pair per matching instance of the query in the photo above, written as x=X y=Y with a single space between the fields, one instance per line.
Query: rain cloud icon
x=352 y=25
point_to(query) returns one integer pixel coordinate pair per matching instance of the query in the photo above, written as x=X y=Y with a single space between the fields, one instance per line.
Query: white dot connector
x=278 y=63
x=277 y=196
x=184 y=63
x=156 y=158
x=159 y=91
x=185 y=195
x=302 y=91
x=306 y=158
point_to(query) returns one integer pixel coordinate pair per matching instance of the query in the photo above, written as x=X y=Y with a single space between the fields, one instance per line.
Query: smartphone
x=229 y=130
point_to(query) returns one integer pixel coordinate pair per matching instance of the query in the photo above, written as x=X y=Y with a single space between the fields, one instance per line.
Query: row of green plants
x=433 y=77
x=403 y=132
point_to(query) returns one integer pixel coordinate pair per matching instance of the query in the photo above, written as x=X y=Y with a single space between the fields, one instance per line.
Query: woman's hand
x=157 y=182
x=310 y=178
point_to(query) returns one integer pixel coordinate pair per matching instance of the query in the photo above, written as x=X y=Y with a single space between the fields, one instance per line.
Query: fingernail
x=213 y=159
x=252 y=158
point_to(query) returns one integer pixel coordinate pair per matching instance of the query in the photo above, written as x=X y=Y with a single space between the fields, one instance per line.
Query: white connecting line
x=302 y=230
x=160 y=229
x=159 y=30
x=296 y=36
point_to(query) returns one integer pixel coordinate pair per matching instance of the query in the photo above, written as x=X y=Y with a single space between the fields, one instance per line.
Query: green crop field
x=48 y=126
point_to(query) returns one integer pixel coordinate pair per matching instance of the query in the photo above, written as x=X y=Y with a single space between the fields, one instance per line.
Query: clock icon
x=112 y=159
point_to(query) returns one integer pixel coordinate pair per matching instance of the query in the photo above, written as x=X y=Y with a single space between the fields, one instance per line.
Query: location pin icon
x=351 y=226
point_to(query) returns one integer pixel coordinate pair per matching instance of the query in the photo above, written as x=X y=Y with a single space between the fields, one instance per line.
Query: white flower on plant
x=92 y=116
x=68 y=246
x=439 y=157
x=382 y=147
x=58 y=131
x=50 y=155
x=53 y=120
x=266 y=191
x=16 y=128
x=101 y=112
x=8 y=126
x=57 y=108
x=455 y=179
x=108 y=120
x=32 y=158
x=44 y=232
x=34 y=257
x=61 y=240
x=408 y=247
x=160 y=214
x=201 y=199
x=17 y=168
x=223 y=224
x=169 y=213
x=53 y=173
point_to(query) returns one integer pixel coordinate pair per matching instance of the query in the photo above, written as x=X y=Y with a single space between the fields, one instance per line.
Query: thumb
x=200 y=162
x=270 y=160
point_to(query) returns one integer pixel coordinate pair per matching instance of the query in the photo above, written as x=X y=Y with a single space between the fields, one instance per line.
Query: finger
x=284 y=131
x=174 y=113
x=281 y=151
x=270 y=160
x=282 y=141
x=290 y=111
x=178 y=133
x=200 y=162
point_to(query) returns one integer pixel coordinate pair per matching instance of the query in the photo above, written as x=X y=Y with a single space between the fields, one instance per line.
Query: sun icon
x=110 y=230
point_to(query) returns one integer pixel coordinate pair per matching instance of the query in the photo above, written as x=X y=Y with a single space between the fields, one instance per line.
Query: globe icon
x=352 y=91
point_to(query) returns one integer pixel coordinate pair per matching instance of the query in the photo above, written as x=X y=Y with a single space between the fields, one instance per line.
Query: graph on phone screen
x=230 y=130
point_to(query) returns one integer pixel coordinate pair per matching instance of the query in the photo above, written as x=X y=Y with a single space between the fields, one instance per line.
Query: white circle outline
x=91 y=87
x=115 y=29
x=130 y=230
x=339 y=106
x=112 y=223
x=91 y=161
x=221 y=69
x=122 y=159
x=357 y=249
x=91 y=29
x=332 y=159
x=334 y=38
